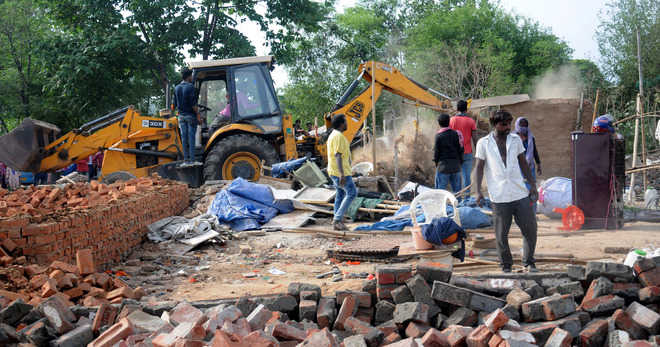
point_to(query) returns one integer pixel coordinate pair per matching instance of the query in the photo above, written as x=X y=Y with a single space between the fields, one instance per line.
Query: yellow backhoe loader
x=253 y=129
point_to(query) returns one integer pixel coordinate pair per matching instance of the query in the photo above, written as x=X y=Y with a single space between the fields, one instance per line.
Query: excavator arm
x=384 y=77
x=132 y=143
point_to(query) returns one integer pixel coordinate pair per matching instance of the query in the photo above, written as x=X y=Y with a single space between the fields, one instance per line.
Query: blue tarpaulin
x=471 y=217
x=441 y=228
x=246 y=206
x=391 y=224
x=280 y=170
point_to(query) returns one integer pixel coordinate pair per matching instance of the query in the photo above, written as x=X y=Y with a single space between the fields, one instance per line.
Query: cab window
x=253 y=97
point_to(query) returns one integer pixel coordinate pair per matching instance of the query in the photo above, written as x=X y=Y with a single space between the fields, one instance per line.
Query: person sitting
x=222 y=118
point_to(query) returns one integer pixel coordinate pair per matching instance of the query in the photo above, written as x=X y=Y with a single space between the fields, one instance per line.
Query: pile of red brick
x=399 y=308
x=50 y=223
x=73 y=284
x=42 y=201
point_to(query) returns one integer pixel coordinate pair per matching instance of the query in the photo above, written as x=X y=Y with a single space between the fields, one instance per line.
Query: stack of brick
x=73 y=284
x=51 y=223
x=424 y=309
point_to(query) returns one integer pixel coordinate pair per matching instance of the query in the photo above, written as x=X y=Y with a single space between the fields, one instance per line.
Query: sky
x=574 y=21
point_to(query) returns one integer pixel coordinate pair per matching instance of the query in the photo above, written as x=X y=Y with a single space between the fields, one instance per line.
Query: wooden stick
x=484 y=262
x=334 y=233
x=396 y=202
x=593 y=119
x=391 y=207
x=361 y=209
x=460 y=192
x=387 y=185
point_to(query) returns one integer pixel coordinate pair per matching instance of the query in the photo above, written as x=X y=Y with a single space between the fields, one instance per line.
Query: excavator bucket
x=22 y=148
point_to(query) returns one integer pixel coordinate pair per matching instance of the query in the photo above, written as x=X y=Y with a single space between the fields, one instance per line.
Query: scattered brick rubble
x=602 y=304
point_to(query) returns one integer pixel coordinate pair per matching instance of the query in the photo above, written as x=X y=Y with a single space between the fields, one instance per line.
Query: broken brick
x=348 y=309
x=105 y=315
x=479 y=337
x=85 y=261
x=559 y=338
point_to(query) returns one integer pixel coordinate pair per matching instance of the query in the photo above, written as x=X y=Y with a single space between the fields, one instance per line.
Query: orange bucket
x=418 y=239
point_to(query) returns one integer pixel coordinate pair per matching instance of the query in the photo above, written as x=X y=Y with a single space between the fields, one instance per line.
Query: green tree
x=617 y=42
x=21 y=25
x=476 y=49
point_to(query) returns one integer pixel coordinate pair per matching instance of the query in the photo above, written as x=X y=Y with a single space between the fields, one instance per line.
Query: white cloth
x=505 y=184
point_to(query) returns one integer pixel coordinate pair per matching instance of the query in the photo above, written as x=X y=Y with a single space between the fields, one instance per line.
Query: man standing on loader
x=189 y=118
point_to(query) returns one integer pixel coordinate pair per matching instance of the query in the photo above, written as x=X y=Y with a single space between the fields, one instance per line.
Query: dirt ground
x=242 y=267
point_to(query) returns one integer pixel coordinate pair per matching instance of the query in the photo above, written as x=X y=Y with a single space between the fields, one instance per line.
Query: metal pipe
x=102 y=119
x=144 y=152
x=347 y=94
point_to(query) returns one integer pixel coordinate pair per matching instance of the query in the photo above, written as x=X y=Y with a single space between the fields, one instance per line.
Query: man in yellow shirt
x=339 y=169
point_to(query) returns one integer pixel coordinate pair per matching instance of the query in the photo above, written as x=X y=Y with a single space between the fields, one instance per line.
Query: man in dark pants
x=502 y=154
x=447 y=156
x=464 y=124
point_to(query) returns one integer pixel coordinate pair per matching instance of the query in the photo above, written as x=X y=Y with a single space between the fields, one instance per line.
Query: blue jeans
x=466 y=169
x=344 y=197
x=188 y=131
x=454 y=179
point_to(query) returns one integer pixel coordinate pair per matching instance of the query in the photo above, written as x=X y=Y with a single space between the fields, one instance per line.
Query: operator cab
x=238 y=90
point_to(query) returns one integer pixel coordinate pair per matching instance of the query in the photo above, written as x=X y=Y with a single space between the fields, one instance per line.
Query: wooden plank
x=361 y=209
x=499 y=100
x=315 y=194
x=277 y=183
x=294 y=219
x=408 y=249
x=302 y=206
x=283 y=194
x=319 y=231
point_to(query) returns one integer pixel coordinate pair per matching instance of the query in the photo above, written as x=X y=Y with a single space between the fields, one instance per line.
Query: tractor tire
x=117 y=176
x=238 y=156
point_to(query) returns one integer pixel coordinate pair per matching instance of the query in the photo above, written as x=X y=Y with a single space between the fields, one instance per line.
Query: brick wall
x=111 y=229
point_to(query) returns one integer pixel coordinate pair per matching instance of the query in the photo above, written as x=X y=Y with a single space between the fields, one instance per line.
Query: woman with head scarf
x=528 y=140
x=531 y=154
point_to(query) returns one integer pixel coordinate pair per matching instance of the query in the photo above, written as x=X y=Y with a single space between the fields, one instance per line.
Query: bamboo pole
x=373 y=116
x=640 y=106
x=631 y=193
x=593 y=118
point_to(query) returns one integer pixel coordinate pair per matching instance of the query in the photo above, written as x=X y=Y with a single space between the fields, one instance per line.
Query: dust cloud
x=414 y=149
x=563 y=82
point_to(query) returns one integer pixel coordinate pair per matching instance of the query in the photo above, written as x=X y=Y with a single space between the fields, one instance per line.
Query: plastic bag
x=555 y=192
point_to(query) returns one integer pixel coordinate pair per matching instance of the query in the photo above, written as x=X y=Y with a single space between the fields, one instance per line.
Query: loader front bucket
x=22 y=148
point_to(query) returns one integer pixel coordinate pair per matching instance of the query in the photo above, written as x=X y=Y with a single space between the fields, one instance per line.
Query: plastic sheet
x=246 y=206
x=471 y=217
x=181 y=228
x=280 y=170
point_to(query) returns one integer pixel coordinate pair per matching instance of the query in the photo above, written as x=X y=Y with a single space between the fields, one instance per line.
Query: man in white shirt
x=502 y=154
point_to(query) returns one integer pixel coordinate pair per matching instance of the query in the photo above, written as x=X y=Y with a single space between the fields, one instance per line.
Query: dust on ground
x=241 y=267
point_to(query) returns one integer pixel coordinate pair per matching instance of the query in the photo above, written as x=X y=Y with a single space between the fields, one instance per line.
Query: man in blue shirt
x=189 y=118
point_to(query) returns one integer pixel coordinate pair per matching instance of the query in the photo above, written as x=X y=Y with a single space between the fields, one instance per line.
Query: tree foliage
x=463 y=48
x=74 y=60
x=617 y=41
